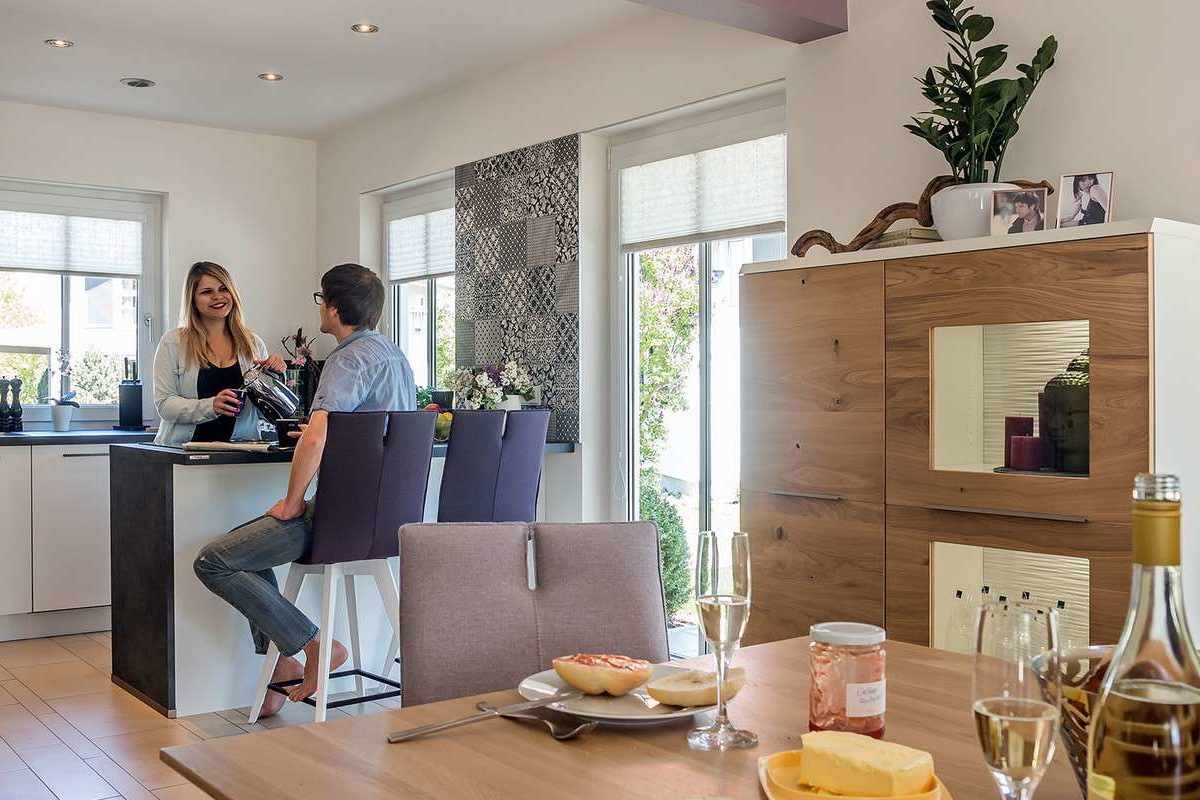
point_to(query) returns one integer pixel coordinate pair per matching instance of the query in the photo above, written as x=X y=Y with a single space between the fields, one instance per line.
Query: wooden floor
x=66 y=732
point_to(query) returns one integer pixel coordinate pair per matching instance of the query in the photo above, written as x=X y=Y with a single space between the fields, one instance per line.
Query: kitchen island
x=176 y=646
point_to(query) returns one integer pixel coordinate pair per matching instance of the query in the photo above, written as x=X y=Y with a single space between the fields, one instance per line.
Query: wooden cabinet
x=16 y=590
x=812 y=382
x=70 y=527
x=814 y=560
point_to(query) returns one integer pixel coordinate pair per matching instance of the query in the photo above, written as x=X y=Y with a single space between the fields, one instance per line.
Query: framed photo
x=1019 y=211
x=1085 y=199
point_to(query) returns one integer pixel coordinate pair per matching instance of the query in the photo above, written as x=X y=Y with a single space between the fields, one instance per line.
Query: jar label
x=866 y=699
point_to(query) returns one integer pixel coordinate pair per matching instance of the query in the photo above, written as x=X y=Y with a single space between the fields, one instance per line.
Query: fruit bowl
x=1082 y=671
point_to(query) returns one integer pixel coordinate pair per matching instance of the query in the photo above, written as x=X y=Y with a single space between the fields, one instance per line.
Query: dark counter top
x=193 y=458
x=27 y=438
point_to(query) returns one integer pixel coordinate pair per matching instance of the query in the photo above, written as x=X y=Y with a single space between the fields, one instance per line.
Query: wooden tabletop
x=927 y=700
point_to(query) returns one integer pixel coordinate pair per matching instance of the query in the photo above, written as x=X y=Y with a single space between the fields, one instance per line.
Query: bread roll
x=593 y=673
x=695 y=687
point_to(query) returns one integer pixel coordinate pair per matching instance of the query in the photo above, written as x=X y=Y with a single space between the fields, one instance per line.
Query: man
x=365 y=372
x=1028 y=217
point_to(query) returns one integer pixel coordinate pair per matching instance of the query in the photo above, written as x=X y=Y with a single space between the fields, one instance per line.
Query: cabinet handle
x=835 y=498
x=1000 y=512
x=85 y=455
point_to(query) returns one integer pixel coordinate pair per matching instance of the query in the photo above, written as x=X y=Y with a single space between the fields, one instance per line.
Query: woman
x=1091 y=202
x=198 y=365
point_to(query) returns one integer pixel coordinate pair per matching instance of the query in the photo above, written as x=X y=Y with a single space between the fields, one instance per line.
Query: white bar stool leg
x=291 y=591
x=352 y=620
x=329 y=587
x=389 y=593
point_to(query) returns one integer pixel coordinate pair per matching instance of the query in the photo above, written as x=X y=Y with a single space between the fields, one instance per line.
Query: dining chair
x=493 y=466
x=373 y=478
x=483 y=605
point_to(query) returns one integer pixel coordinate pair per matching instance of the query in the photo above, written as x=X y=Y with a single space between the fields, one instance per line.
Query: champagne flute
x=723 y=601
x=1016 y=717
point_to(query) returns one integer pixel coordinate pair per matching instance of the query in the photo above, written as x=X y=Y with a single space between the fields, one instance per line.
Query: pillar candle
x=1026 y=452
x=1015 y=426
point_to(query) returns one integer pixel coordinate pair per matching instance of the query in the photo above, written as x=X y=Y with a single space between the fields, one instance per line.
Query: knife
x=412 y=733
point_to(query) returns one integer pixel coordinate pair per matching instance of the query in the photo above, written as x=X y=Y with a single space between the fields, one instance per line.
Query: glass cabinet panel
x=1011 y=398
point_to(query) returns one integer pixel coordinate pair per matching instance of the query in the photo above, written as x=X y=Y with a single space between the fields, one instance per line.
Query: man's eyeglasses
x=318 y=298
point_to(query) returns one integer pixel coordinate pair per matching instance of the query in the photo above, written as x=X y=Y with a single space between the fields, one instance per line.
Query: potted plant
x=516 y=385
x=973 y=119
x=477 y=387
x=304 y=372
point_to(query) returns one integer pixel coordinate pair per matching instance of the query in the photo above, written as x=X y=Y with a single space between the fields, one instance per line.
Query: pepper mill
x=5 y=416
x=15 y=411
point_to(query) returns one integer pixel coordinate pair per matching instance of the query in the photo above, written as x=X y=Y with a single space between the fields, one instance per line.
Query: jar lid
x=851 y=633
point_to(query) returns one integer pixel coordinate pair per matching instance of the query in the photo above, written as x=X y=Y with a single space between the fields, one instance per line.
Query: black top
x=1093 y=214
x=209 y=383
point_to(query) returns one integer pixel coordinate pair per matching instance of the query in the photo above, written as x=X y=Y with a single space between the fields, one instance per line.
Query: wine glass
x=723 y=603
x=1016 y=717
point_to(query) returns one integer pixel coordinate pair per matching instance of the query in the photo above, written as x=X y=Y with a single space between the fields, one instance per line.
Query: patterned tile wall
x=517 y=270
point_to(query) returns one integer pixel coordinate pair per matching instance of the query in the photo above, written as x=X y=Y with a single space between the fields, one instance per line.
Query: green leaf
x=978 y=26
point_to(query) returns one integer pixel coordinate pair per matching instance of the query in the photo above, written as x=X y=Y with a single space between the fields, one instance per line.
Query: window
x=419 y=247
x=77 y=270
x=693 y=205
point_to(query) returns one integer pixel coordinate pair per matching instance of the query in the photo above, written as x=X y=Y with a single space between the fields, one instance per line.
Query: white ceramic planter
x=965 y=210
x=511 y=402
x=61 y=417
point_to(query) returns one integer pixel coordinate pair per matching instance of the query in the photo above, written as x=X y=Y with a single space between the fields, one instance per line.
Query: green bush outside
x=672 y=541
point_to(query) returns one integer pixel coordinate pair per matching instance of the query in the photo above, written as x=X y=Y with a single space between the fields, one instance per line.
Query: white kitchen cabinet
x=16 y=587
x=70 y=527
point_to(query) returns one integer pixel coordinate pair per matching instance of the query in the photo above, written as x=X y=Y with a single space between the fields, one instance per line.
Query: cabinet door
x=70 y=527
x=1103 y=282
x=812 y=382
x=16 y=589
x=813 y=561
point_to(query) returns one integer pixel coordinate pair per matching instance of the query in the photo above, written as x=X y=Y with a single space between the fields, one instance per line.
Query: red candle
x=1026 y=452
x=1015 y=426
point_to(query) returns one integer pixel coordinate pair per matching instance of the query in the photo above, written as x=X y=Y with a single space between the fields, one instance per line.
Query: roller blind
x=726 y=188
x=66 y=243
x=421 y=245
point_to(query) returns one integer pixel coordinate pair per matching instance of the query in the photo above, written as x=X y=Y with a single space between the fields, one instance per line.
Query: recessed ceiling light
x=138 y=83
x=270 y=76
x=60 y=43
x=365 y=27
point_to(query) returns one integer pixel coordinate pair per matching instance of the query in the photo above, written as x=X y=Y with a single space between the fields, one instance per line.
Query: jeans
x=237 y=568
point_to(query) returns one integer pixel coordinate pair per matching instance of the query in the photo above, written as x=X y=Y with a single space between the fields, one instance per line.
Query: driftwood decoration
x=919 y=211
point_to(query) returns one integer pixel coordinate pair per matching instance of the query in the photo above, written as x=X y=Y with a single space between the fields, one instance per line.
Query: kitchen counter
x=27 y=438
x=180 y=648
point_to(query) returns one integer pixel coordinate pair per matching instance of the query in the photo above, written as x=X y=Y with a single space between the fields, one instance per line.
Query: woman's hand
x=301 y=427
x=225 y=403
x=273 y=362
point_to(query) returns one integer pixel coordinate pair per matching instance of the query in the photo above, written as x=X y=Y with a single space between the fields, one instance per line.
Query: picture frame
x=1085 y=198
x=1020 y=211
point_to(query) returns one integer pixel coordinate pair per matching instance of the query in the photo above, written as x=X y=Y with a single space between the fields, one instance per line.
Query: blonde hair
x=192 y=334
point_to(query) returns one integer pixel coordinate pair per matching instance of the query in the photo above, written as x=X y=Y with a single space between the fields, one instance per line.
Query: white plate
x=625 y=710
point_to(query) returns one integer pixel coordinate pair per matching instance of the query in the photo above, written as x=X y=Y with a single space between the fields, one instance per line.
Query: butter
x=857 y=765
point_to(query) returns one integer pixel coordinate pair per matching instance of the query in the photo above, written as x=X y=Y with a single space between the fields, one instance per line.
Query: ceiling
x=206 y=56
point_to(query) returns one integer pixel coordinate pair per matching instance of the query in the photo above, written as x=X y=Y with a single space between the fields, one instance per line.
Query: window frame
x=143 y=207
x=436 y=194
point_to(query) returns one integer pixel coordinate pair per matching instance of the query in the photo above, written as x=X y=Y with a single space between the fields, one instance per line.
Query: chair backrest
x=469 y=622
x=373 y=477
x=493 y=467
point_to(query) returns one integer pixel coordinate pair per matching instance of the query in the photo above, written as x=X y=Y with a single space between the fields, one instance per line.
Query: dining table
x=928 y=707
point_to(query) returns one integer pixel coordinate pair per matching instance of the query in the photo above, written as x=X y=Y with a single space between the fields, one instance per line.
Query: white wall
x=1119 y=97
x=244 y=200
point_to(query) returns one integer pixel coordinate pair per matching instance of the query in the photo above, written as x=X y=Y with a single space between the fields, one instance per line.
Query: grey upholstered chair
x=470 y=621
x=493 y=465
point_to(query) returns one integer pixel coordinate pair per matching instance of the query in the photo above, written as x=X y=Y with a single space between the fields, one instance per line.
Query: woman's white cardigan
x=175 y=393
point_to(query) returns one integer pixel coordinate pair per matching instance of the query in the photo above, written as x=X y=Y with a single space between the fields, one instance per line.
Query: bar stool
x=373 y=478
x=492 y=471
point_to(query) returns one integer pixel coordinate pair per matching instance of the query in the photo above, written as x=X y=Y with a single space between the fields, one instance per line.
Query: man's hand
x=285 y=509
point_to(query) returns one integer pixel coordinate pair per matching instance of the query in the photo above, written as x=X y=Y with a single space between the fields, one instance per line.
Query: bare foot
x=288 y=669
x=312 y=657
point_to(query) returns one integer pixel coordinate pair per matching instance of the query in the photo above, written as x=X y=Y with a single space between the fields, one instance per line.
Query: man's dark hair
x=357 y=294
x=1028 y=198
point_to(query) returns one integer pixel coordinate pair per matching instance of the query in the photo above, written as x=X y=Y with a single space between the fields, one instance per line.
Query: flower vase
x=511 y=402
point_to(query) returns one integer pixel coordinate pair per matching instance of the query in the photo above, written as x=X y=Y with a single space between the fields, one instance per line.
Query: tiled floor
x=66 y=732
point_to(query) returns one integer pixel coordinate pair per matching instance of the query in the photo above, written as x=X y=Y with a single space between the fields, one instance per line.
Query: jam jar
x=847 y=668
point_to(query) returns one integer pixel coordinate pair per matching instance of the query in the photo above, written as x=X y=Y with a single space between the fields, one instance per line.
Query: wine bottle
x=1144 y=736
